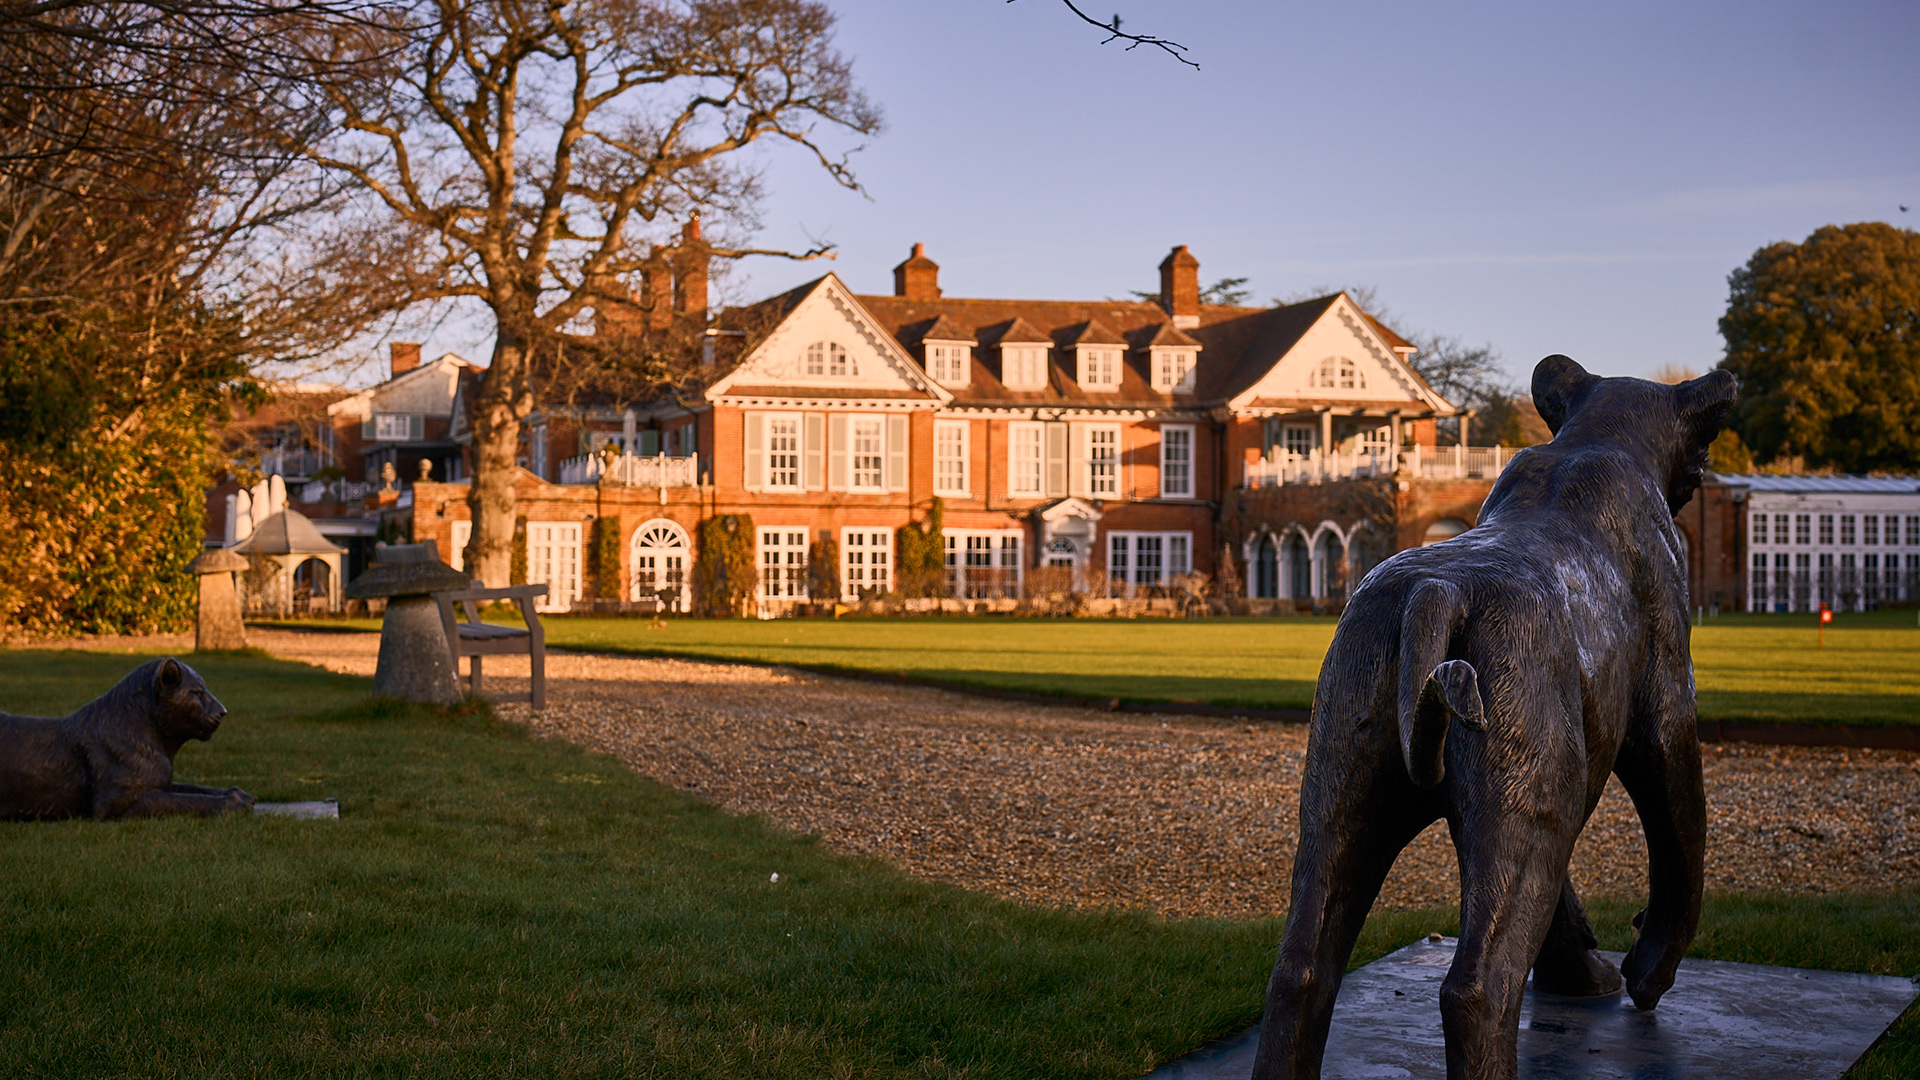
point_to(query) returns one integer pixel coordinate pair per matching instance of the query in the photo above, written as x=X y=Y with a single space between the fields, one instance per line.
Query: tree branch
x=1114 y=33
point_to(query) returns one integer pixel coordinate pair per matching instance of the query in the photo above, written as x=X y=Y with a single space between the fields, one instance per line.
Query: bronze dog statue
x=1495 y=680
x=113 y=757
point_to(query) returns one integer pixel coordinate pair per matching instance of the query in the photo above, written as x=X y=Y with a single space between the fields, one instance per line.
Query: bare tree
x=1134 y=40
x=532 y=157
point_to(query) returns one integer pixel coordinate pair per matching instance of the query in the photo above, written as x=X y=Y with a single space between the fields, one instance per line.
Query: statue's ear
x=1558 y=385
x=171 y=674
x=1705 y=403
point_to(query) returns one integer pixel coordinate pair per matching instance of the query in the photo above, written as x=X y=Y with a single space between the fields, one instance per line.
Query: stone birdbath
x=415 y=663
x=219 y=625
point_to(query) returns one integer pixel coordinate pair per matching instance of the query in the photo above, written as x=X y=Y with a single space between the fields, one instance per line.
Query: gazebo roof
x=288 y=532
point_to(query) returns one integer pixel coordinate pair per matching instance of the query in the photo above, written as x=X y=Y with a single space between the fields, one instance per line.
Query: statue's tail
x=1433 y=689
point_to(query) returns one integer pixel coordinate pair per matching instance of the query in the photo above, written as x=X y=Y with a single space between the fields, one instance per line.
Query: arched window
x=661 y=564
x=1266 y=568
x=1324 y=375
x=829 y=358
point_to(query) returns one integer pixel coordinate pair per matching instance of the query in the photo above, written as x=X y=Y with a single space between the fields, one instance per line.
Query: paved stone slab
x=318 y=808
x=1720 y=1021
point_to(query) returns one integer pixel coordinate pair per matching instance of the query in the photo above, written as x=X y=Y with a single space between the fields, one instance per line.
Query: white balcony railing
x=1426 y=462
x=659 y=471
x=291 y=464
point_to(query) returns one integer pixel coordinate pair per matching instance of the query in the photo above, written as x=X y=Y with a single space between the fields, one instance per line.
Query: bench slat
x=489 y=630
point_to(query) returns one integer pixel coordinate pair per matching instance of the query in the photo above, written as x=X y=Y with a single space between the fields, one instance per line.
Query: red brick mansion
x=1119 y=445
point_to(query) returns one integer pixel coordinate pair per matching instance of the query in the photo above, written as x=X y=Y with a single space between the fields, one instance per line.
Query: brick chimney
x=918 y=278
x=656 y=290
x=690 y=260
x=403 y=356
x=1180 y=287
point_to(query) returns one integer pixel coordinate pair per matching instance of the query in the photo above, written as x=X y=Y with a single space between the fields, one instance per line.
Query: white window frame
x=1170 y=476
x=1099 y=367
x=1026 y=460
x=950 y=363
x=1000 y=553
x=866 y=561
x=398 y=427
x=673 y=562
x=830 y=360
x=1097 y=483
x=1173 y=370
x=1023 y=367
x=553 y=560
x=872 y=464
x=780 y=561
x=952 y=457
x=796 y=467
x=1173 y=551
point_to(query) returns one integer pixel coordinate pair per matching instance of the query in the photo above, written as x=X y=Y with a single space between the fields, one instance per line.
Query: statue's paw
x=238 y=800
x=1586 y=975
x=1646 y=979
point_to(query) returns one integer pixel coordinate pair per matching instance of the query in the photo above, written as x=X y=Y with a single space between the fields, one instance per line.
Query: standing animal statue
x=1495 y=680
x=113 y=757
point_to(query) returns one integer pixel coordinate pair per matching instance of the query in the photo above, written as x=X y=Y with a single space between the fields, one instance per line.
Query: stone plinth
x=1721 y=1021
x=415 y=663
x=219 y=625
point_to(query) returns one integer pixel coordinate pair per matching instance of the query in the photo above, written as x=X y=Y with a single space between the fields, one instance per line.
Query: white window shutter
x=1077 y=460
x=416 y=427
x=837 y=452
x=815 y=449
x=756 y=456
x=366 y=429
x=1057 y=467
x=896 y=453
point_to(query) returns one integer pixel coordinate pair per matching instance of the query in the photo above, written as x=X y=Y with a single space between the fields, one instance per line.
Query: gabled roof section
x=1091 y=332
x=824 y=301
x=1167 y=336
x=945 y=328
x=1016 y=331
x=1289 y=326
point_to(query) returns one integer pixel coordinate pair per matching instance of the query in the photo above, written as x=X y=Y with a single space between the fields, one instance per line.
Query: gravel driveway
x=1190 y=817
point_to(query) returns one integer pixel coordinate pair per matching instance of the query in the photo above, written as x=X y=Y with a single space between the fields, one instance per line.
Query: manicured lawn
x=492 y=905
x=1746 y=667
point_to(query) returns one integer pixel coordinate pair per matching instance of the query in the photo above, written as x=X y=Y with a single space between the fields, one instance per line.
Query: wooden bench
x=476 y=639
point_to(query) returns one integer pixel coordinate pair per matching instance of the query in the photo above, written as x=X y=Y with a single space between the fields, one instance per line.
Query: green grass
x=492 y=905
x=1765 y=668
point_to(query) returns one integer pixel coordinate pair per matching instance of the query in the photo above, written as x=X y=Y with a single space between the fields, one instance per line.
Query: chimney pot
x=1180 y=287
x=918 y=278
x=403 y=356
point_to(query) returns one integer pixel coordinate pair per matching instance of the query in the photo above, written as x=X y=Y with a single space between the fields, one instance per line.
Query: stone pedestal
x=415 y=663
x=219 y=625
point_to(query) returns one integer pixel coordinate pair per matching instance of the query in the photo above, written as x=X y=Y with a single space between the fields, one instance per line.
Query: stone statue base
x=320 y=808
x=1720 y=1021
x=415 y=664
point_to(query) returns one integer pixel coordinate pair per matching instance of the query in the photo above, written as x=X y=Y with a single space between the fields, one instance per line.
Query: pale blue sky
x=1542 y=177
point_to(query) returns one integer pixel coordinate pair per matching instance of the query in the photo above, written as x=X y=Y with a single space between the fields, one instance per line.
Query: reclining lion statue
x=113 y=757
x=1494 y=681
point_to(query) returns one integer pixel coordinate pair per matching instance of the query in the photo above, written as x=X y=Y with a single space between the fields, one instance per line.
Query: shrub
x=920 y=569
x=724 y=578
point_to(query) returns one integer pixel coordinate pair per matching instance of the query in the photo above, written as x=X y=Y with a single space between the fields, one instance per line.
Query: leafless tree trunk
x=528 y=157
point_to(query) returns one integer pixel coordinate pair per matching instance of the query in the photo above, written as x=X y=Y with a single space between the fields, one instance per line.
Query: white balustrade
x=658 y=471
x=1425 y=462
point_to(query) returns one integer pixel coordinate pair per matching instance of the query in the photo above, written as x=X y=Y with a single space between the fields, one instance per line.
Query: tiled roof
x=1015 y=331
x=944 y=328
x=1165 y=335
x=1876 y=485
x=1091 y=332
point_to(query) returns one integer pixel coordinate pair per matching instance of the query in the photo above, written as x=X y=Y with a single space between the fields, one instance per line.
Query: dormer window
x=949 y=362
x=830 y=359
x=1023 y=367
x=1173 y=371
x=1099 y=368
x=1339 y=373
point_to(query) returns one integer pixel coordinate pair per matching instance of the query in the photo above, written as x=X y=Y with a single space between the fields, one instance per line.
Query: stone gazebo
x=290 y=540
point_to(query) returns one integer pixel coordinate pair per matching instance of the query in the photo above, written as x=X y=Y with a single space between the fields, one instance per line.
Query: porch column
x=1326 y=442
x=1465 y=418
x=1393 y=455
